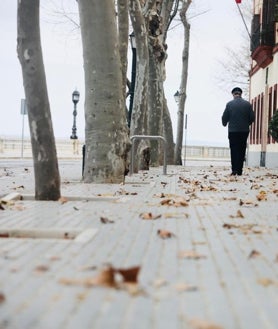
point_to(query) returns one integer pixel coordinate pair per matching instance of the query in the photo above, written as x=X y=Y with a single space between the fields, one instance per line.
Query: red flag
x=238 y=1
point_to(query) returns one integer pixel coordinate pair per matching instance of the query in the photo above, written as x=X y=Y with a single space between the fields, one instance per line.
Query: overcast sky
x=215 y=25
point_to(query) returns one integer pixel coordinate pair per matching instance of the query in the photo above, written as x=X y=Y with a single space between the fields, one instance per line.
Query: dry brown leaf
x=41 y=268
x=230 y=226
x=176 y=202
x=124 y=192
x=244 y=228
x=105 y=220
x=63 y=200
x=254 y=254
x=2 y=298
x=262 y=196
x=129 y=274
x=247 y=203
x=255 y=186
x=149 y=216
x=239 y=214
x=202 y=324
x=190 y=254
x=233 y=198
x=107 y=278
x=164 y=234
x=266 y=282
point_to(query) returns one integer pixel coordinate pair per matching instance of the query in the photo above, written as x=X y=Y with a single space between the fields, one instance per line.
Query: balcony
x=263 y=55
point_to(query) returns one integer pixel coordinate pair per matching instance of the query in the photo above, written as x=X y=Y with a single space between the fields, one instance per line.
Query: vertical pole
x=22 y=136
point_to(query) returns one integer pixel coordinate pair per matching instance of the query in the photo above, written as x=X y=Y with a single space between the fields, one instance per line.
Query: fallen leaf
x=108 y=278
x=130 y=274
x=254 y=254
x=105 y=220
x=230 y=198
x=247 y=203
x=190 y=254
x=164 y=234
x=2 y=298
x=265 y=282
x=105 y=278
x=262 y=196
x=42 y=268
x=63 y=200
x=229 y=226
x=238 y=215
x=124 y=192
x=176 y=202
x=149 y=215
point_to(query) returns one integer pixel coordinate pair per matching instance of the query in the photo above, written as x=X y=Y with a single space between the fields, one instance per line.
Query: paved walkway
x=193 y=249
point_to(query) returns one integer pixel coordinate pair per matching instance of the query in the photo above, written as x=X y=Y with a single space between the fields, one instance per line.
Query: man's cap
x=237 y=90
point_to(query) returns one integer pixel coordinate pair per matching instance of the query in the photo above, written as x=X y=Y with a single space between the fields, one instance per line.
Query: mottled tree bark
x=47 y=178
x=183 y=85
x=106 y=133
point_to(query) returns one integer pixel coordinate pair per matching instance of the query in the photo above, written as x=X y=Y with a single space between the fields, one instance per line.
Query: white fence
x=14 y=148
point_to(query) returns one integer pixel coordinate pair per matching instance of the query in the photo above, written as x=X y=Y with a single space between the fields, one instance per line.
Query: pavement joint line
x=75 y=235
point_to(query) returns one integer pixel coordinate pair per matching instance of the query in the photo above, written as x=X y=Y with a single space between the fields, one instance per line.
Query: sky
x=215 y=25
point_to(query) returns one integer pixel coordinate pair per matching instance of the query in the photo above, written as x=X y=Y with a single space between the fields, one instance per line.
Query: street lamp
x=133 y=76
x=75 y=100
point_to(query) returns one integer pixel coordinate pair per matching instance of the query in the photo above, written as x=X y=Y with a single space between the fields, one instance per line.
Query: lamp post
x=75 y=100
x=133 y=76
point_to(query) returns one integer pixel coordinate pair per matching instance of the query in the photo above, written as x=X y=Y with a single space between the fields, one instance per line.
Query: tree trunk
x=106 y=133
x=47 y=178
x=168 y=133
x=183 y=85
x=139 y=123
x=123 y=27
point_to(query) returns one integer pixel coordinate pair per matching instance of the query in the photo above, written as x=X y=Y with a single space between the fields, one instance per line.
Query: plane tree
x=47 y=177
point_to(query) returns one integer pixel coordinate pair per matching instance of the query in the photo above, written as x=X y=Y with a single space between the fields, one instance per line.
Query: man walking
x=239 y=114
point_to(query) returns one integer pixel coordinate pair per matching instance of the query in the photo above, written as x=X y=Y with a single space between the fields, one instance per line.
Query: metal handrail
x=132 y=138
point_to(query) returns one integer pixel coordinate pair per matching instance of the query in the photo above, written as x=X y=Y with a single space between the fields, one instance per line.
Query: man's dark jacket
x=239 y=114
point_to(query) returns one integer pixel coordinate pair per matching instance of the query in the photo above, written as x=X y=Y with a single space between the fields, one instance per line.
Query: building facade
x=263 y=150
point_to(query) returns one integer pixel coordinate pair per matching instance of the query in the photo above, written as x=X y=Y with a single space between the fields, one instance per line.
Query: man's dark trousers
x=238 y=141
